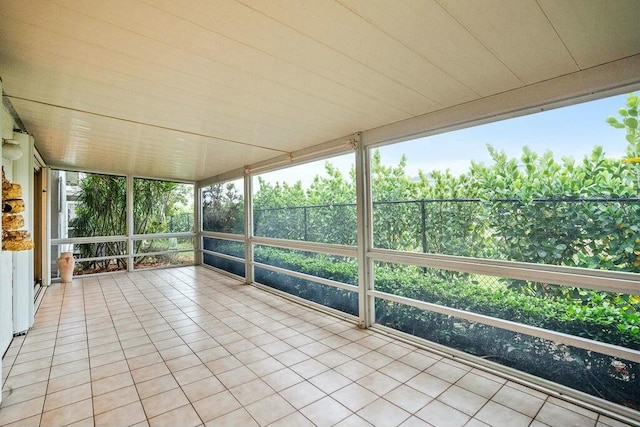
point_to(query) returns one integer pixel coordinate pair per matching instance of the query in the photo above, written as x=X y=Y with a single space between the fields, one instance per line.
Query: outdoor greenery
x=535 y=208
x=159 y=207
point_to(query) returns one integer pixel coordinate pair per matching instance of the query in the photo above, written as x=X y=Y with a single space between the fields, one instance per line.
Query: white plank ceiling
x=191 y=89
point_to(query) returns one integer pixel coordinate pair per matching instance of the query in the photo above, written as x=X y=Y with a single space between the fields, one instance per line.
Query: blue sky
x=570 y=131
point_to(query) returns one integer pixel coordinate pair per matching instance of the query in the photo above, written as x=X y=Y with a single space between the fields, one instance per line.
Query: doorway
x=40 y=276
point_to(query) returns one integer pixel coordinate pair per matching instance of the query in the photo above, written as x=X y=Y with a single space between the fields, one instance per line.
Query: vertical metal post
x=305 y=224
x=197 y=224
x=366 y=306
x=248 y=227
x=423 y=226
x=130 y=225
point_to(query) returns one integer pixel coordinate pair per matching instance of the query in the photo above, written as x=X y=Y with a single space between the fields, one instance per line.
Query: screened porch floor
x=189 y=347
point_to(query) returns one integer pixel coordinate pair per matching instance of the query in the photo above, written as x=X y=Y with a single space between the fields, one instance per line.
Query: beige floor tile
x=22 y=410
x=185 y=326
x=417 y=360
x=69 y=368
x=212 y=354
x=71 y=339
x=203 y=344
x=354 y=397
x=325 y=412
x=24 y=357
x=149 y=372
x=39 y=344
x=168 y=343
x=123 y=416
x=98 y=350
x=183 y=362
x=500 y=416
x=107 y=358
x=251 y=355
x=279 y=347
x=115 y=399
x=109 y=369
x=192 y=374
x=144 y=360
x=163 y=335
x=184 y=416
x=135 y=342
x=114 y=382
x=70 y=380
x=378 y=383
x=553 y=414
x=31 y=421
x=87 y=422
x=462 y=400
x=518 y=400
x=70 y=357
x=76 y=346
x=17 y=395
x=309 y=368
x=139 y=350
x=269 y=409
x=237 y=376
x=175 y=352
x=428 y=384
x=294 y=419
x=330 y=381
x=164 y=402
x=382 y=413
x=68 y=414
x=204 y=388
x=302 y=394
x=407 y=398
x=333 y=358
x=156 y=386
x=251 y=391
x=479 y=384
x=17 y=381
x=67 y=396
x=216 y=405
x=446 y=372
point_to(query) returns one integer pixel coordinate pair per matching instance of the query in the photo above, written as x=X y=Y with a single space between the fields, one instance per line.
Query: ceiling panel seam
x=472 y=34
x=350 y=57
x=259 y=76
x=555 y=30
x=144 y=124
x=234 y=69
x=412 y=50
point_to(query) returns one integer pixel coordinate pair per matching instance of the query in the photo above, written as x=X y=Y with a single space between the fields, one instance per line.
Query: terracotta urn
x=66 y=264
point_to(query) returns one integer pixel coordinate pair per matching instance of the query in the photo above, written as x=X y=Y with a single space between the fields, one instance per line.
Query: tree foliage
x=101 y=208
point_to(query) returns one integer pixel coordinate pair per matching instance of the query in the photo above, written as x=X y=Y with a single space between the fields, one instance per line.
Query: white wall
x=6 y=260
x=6 y=263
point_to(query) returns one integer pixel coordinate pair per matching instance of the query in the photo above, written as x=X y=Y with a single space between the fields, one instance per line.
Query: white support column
x=197 y=224
x=365 y=235
x=248 y=228
x=23 y=309
x=130 y=225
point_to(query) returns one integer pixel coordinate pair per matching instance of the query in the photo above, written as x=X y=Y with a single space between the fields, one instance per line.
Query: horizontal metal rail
x=323 y=248
x=223 y=236
x=101 y=258
x=466 y=200
x=600 y=280
x=88 y=240
x=225 y=256
x=584 y=343
x=162 y=236
x=169 y=252
x=351 y=288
